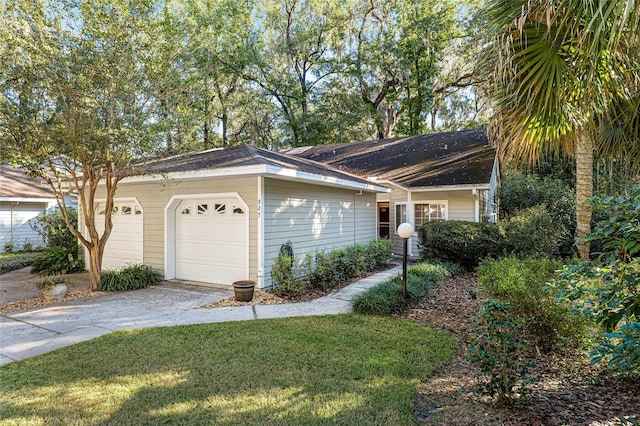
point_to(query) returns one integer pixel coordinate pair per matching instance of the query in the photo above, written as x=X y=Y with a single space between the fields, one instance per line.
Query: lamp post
x=405 y=231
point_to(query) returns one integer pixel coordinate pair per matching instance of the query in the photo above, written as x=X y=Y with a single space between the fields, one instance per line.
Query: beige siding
x=314 y=218
x=154 y=196
x=461 y=203
x=461 y=206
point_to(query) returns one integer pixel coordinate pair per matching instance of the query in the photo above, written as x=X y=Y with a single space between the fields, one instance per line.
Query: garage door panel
x=211 y=240
x=125 y=244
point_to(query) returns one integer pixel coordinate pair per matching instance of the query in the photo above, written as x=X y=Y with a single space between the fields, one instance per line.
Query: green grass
x=12 y=261
x=345 y=369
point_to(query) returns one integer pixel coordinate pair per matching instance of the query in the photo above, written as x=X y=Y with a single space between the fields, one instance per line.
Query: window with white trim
x=401 y=214
x=429 y=212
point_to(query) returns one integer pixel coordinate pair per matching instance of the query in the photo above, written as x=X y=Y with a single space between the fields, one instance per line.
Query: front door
x=383 y=220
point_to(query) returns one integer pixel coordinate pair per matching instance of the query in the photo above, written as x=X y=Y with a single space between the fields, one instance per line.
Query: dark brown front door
x=383 y=220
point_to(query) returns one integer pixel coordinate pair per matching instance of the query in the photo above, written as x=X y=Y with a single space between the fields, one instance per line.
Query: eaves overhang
x=266 y=170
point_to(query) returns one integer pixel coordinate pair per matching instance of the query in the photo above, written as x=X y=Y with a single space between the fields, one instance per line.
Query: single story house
x=440 y=176
x=22 y=200
x=222 y=215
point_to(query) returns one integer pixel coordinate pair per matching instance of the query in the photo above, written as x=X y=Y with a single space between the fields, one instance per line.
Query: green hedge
x=386 y=298
x=461 y=242
x=531 y=232
x=325 y=270
x=12 y=261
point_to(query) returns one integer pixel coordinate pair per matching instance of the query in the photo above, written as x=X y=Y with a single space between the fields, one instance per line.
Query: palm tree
x=564 y=75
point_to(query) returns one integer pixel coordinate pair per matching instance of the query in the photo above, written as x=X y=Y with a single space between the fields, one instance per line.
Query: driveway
x=40 y=330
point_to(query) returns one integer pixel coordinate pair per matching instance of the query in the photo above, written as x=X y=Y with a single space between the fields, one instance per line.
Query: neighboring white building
x=22 y=199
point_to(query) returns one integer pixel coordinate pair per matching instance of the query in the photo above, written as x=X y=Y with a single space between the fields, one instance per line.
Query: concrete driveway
x=40 y=330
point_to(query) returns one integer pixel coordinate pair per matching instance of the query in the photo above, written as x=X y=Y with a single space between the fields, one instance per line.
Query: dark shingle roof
x=16 y=183
x=244 y=155
x=439 y=159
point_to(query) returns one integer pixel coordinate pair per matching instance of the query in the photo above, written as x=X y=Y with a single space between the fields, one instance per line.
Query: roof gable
x=439 y=159
x=16 y=183
x=244 y=157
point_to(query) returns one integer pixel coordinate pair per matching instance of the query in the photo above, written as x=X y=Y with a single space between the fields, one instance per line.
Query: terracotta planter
x=54 y=292
x=244 y=290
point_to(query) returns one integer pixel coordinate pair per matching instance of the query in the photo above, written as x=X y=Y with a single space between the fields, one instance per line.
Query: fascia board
x=259 y=169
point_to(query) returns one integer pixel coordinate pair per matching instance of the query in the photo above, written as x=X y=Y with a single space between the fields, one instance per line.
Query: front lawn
x=346 y=369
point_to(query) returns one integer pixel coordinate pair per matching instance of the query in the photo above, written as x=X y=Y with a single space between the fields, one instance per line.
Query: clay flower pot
x=244 y=290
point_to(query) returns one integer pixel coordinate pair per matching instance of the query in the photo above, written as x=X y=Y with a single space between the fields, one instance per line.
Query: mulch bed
x=568 y=391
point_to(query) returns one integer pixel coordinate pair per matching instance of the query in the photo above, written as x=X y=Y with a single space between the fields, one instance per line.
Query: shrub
x=326 y=270
x=466 y=243
x=607 y=289
x=386 y=298
x=53 y=230
x=12 y=261
x=520 y=192
x=498 y=348
x=129 y=278
x=57 y=260
x=522 y=283
x=533 y=232
x=288 y=280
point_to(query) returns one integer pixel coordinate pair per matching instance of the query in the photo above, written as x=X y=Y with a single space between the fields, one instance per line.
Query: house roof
x=439 y=159
x=16 y=183
x=256 y=160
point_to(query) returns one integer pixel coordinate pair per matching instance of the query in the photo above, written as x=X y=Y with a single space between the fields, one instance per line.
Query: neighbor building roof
x=439 y=159
x=16 y=183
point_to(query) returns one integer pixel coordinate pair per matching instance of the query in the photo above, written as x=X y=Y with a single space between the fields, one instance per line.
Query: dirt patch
x=568 y=391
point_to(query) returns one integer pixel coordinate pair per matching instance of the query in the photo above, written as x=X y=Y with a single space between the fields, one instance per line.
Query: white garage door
x=211 y=241
x=125 y=245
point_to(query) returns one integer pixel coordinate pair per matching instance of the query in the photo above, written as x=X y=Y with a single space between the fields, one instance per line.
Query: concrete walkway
x=37 y=331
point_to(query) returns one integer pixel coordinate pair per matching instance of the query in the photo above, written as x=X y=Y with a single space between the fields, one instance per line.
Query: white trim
x=477 y=208
x=260 y=169
x=170 y=228
x=28 y=200
x=260 y=214
x=449 y=187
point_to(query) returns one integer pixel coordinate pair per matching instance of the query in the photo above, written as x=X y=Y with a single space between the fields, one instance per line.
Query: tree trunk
x=95 y=266
x=584 y=191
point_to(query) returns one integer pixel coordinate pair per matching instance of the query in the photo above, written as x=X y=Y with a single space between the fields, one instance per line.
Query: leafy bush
x=57 y=260
x=466 y=243
x=520 y=192
x=533 y=232
x=129 y=278
x=12 y=261
x=53 y=230
x=619 y=230
x=326 y=270
x=607 y=289
x=522 y=283
x=498 y=348
x=387 y=298
x=288 y=280
x=622 y=348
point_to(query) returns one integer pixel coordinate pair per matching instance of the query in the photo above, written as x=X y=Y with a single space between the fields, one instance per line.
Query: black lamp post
x=405 y=231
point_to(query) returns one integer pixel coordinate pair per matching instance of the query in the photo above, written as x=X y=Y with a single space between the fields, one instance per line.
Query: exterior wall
x=461 y=205
x=314 y=218
x=154 y=197
x=15 y=219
